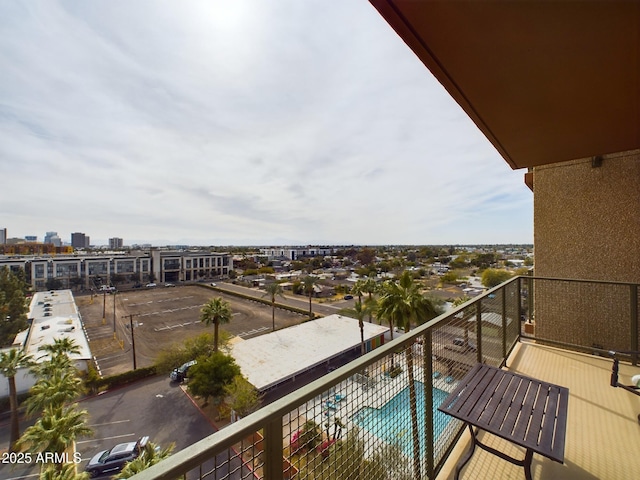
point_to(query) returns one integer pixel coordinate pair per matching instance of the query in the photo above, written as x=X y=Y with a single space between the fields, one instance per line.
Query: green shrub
x=120 y=379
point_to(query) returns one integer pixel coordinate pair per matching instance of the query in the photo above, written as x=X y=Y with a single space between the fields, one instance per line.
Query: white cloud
x=238 y=122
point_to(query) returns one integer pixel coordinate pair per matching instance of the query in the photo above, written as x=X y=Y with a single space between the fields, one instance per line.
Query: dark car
x=180 y=373
x=348 y=297
x=113 y=460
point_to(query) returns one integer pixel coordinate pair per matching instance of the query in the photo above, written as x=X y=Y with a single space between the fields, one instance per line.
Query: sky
x=244 y=122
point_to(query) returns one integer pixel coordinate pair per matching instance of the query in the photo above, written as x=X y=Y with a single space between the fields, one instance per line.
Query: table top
x=523 y=410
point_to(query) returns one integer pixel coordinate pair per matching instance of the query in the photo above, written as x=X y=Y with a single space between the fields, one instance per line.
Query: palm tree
x=359 y=289
x=61 y=346
x=10 y=363
x=216 y=311
x=309 y=282
x=57 y=363
x=67 y=472
x=402 y=302
x=56 y=390
x=360 y=312
x=370 y=287
x=56 y=431
x=151 y=455
x=272 y=290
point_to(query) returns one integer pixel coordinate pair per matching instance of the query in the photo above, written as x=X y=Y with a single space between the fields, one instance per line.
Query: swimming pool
x=392 y=422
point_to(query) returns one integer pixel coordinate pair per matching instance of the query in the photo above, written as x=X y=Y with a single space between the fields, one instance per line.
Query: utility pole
x=133 y=340
x=114 y=315
x=104 y=307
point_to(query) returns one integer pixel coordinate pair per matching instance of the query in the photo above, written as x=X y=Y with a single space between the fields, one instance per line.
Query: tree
x=401 y=303
x=360 y=313
x=56 y=390
x=309 y=282
x=216 y=311
x=150 y=455
x=66 y=472
x=492 y=277
x=192 y=348
x=243 y=397
x=13 y=307
x=211 y=375
x=10 y=363
x=61 y=346
x=56 y=431
x=273 y=289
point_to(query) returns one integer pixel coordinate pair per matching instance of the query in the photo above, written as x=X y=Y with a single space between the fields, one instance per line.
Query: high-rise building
x=79 y=240
x=31 y=238
x=52 y=237
x=3 y=236
x=115 y=242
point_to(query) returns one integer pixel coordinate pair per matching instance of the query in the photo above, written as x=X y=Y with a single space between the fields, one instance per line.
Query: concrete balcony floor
x=603 y=433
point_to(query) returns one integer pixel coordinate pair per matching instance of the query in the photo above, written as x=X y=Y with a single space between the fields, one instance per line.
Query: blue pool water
x=392 y=422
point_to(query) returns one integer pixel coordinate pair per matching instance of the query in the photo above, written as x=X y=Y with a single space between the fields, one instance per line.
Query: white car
x=213 y=284
x=150 y=285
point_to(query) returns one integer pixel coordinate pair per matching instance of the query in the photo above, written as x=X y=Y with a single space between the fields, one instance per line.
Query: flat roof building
x=272 y=359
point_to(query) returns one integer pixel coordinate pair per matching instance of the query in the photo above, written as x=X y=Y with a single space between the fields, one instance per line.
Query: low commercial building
x=273 y=359
x=52 y=315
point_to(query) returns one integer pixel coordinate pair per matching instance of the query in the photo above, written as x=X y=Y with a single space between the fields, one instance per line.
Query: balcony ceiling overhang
x=545 y=81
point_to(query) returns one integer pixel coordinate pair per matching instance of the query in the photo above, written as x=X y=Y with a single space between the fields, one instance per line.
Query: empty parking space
x=161 y=317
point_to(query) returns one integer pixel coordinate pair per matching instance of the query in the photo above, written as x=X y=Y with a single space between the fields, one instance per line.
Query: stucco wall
x=587 y=220
x=587 y=226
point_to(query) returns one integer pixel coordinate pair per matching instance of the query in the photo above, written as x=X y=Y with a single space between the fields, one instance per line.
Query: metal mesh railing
x=377 y=416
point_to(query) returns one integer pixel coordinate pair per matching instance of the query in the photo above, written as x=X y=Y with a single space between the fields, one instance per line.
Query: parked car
x=213 y=284
x=150 y=285
x=348 y=297
x=113 y=460
x=107 y=288
x=169 y=284
x=181 y=373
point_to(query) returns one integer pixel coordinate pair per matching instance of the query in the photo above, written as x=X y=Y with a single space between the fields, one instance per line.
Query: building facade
x=79 y=240
x=89 y=271
x=115 y=243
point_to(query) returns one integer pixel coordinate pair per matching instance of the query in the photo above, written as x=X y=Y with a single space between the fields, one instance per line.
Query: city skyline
x=239 y=123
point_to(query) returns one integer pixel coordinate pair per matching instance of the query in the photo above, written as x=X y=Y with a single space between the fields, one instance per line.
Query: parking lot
x=162 y=317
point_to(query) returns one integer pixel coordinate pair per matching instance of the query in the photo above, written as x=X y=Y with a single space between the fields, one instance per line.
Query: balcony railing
x=367 y=419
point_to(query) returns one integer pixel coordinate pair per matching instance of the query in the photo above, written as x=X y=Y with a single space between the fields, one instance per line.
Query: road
x=290 y=299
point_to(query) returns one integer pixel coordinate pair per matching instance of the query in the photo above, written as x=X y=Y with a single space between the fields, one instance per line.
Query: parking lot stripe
x=108 y=423
x=107 y=438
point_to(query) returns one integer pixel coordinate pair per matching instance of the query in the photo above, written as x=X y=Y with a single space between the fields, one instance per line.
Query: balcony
x=378 y=421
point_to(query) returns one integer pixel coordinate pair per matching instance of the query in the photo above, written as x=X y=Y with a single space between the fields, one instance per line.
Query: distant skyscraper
x=52 y=237
x=115 y=243
x=3 y=236
x=31 y=238
x=79 y=240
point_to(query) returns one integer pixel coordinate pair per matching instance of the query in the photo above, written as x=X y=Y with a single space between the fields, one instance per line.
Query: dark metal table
x=520 y=409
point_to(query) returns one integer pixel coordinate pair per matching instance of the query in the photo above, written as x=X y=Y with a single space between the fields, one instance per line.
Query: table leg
x=463 y=461
x=527 y=464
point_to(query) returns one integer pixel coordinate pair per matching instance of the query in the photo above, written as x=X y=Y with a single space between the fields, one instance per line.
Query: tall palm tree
x=370 y=288
x=308 y=283
x=273 y=289
x=56 y=431
x=216 y=311
x=400 y=303
x=360 y=312
x=359 y=289
x=151 y=455
x=57 y=363
x=56 y=390
x=67 y=472
x=63 y=345
x=10 y=363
